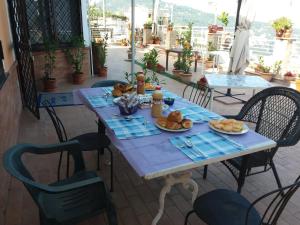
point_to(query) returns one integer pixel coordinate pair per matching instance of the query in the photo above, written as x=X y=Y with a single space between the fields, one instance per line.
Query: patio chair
x=223 y=207
x=66 y=202
x=107 y=83
x=197 y=93
x=274 y=113
x=88 y=141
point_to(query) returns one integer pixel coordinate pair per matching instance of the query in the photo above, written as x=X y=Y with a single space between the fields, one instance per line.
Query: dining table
x=163 y=154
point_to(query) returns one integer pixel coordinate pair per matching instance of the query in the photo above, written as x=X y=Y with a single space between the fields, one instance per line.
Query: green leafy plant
x=261 y=67
x=75 y=54
x=187 y=58
x=148 y=25
x=282 y=24
x=131 y=78
x=223 y=18
x=210 y=57
x=100 y=46
x=277 y=67
x=50 y=58
x=178 y=64
x=187 y=35
x=211 y=47
x=150 y=59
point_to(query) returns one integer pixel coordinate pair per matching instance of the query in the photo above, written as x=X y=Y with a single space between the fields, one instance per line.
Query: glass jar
x=157 y=100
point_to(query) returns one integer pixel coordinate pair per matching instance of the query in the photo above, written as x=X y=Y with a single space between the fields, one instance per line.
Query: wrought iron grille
x=58 y=20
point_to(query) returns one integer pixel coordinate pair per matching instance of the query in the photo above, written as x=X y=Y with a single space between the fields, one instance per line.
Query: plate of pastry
x=120 y=89
x=229 y=126
x=174 y=122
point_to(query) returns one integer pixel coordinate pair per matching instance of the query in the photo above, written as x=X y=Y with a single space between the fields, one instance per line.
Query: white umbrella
x=239 y=54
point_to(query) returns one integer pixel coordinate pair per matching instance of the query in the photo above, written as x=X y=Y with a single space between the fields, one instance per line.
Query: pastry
x=172 y=125
x=229 y=125
x=175 y=116
x=128 y=88
x=117 y=93
x=186 y=123
x=162 y=121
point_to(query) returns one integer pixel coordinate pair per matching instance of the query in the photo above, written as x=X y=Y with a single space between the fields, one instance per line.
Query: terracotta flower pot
x=78 y=78
x=266 y=76
x=186 y=77
x=177 y=72
x=290 y=78
x=209 y=64
x=103 y=71
x=49 y=84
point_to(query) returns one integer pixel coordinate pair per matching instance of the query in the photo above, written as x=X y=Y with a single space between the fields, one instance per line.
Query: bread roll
x=175 y=116
x=186 y=123
x=117 y=93
x=172 y=125
x=162 y=121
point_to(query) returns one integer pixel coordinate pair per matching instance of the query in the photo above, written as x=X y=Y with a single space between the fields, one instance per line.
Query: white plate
x=245 y=130
x=174 y=131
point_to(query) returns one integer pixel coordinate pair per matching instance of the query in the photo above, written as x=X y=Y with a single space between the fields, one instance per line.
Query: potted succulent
x=263 y=70
x=283 y=27
x=75 y=56
x=50 y=59
x=99 y=55
x=277 y=67
x=223 y=18
x=289 y=76
x=187 y=56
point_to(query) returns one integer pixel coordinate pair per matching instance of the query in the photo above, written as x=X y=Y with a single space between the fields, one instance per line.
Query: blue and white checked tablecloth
x=108 y=90
x=198 y=114
x=97 y=101
x=206 y=145
x=133 y=127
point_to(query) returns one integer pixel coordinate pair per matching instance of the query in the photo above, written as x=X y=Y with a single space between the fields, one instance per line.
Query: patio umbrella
x=239 y=54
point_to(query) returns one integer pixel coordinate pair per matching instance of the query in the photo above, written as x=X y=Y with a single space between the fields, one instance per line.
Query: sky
x=263 y=10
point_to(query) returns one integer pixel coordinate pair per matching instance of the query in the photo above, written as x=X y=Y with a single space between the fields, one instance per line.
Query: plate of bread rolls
x=229 y=126
x=174 y=122
x=120 y=89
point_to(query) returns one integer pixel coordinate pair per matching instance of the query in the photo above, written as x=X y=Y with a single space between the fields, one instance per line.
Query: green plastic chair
x=107 y=83
x=66 y=202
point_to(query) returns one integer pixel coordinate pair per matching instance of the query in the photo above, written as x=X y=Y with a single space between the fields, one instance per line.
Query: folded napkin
x=131 y=127
x=205 y=145
x=97 y=101
x=198 y=114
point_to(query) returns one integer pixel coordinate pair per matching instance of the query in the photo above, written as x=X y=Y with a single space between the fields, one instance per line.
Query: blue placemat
x=206 y=145
x=56 y=99
x=98 y=101
x=108 y=90
x=198 y=114
x=134 y=127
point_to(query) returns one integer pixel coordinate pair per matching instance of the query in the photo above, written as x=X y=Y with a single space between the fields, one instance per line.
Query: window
x=2 y=72
x=58 y=20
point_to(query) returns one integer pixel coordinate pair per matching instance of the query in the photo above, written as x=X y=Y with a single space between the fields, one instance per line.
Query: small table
x=179 y=51
x=234 y=81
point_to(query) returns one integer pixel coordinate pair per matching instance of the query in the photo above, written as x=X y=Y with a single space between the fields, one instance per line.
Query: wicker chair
x=274 y=113
x=224 y=207
x=197 y=93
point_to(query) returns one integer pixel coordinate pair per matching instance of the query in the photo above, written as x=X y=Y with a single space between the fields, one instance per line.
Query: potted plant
x=283 y=27
x=212 y=29
x=223 y=18
x=150 y=59
x=156 y=39
x=277 y=67
x=177 y=67
x=289 y=76
x=50 y=59
x=187 y=56
x=148 y=25
x=100 y=55
x=75 y=56
x=170 y=27
x=209 y=62
x=263 y=70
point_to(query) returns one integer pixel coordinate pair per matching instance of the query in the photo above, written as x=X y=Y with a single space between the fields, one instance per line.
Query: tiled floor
x=136 y=199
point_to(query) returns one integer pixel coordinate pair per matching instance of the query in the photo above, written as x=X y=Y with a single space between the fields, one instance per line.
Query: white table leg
x=183 y=178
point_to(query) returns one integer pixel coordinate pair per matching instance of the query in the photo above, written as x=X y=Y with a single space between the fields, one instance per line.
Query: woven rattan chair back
x=198 y=94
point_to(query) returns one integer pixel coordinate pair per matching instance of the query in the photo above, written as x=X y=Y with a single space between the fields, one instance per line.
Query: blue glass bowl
x=130 y=111
x=169 y=101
